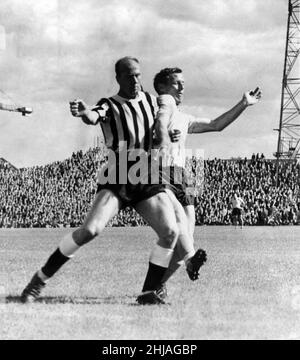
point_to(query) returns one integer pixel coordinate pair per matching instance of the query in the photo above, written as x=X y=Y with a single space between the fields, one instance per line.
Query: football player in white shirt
x=170 y=85
x=237 y=207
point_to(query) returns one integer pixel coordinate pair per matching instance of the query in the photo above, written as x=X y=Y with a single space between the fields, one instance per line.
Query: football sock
x=158 y=264
x=161 y=256
x=178 y=259
x=185 y=247
x=54 y=263
x=42 y=276
x=62 y=254
x=67 y=246
x=188 y=256
x=175 y=263
x=154 y=277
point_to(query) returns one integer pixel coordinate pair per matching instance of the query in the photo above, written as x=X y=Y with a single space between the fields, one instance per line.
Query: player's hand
x=252 y=97
x=175 y=135
x=78 y=107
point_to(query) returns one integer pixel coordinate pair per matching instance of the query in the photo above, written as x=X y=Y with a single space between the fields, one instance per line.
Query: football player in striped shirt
x=127 y=121
x=169 y=83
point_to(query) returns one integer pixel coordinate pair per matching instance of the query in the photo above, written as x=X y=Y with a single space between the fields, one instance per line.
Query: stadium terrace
x=60 y=194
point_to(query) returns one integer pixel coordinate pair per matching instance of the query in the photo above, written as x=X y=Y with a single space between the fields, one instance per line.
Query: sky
x=52 y=51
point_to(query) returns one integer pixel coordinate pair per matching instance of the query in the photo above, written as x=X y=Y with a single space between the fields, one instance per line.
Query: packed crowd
x=60 y=194
x=265 y=203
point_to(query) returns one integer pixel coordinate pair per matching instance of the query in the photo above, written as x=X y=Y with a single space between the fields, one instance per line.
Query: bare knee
x=90 y=229
x=83 y=236
x=168 y=237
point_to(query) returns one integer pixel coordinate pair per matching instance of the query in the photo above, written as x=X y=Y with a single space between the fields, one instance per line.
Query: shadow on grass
x=86 y=300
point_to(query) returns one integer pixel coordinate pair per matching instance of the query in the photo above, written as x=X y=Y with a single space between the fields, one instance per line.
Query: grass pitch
x=249 y=288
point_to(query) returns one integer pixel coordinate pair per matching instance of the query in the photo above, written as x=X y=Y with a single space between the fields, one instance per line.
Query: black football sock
x=54 y=263
x=154 y=277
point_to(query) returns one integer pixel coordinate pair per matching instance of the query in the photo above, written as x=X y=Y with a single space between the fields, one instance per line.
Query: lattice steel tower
x=288 y=146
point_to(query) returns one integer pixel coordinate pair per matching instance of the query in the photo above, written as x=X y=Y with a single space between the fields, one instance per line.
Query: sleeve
x=166 y=105
x=166 y=100
x=102 y=108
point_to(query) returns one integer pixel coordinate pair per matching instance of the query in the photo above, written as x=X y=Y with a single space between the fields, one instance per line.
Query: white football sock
x=42 y=276
x=188 y=256
x=67 y=246
x=161 y=256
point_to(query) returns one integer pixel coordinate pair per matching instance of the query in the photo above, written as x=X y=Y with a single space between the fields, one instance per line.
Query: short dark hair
x=122 y=61
x=163 y=77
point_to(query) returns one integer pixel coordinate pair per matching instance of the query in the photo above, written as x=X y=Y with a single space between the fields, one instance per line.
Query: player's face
x=175 y=87
x=129 y=80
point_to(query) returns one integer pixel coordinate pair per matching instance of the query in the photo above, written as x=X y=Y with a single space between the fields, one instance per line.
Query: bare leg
x=191 y=218
x=184 y=245
x=105 y=206
x=241 y=221
x=177 y=260
x=158 y=212
x=234 y=221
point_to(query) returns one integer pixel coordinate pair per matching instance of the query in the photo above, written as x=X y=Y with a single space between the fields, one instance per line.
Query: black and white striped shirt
x=127 y=121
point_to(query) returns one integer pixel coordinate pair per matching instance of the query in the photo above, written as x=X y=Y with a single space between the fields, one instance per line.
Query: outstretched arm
x=79 y=108
x=221 y=122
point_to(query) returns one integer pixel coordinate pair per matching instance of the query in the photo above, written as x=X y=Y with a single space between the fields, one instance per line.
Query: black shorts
x=130 y=194
x=180 y=185
x=236 y=212
x=174 y=178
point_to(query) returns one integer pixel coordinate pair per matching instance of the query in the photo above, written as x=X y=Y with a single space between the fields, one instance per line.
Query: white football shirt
x=177 y=121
